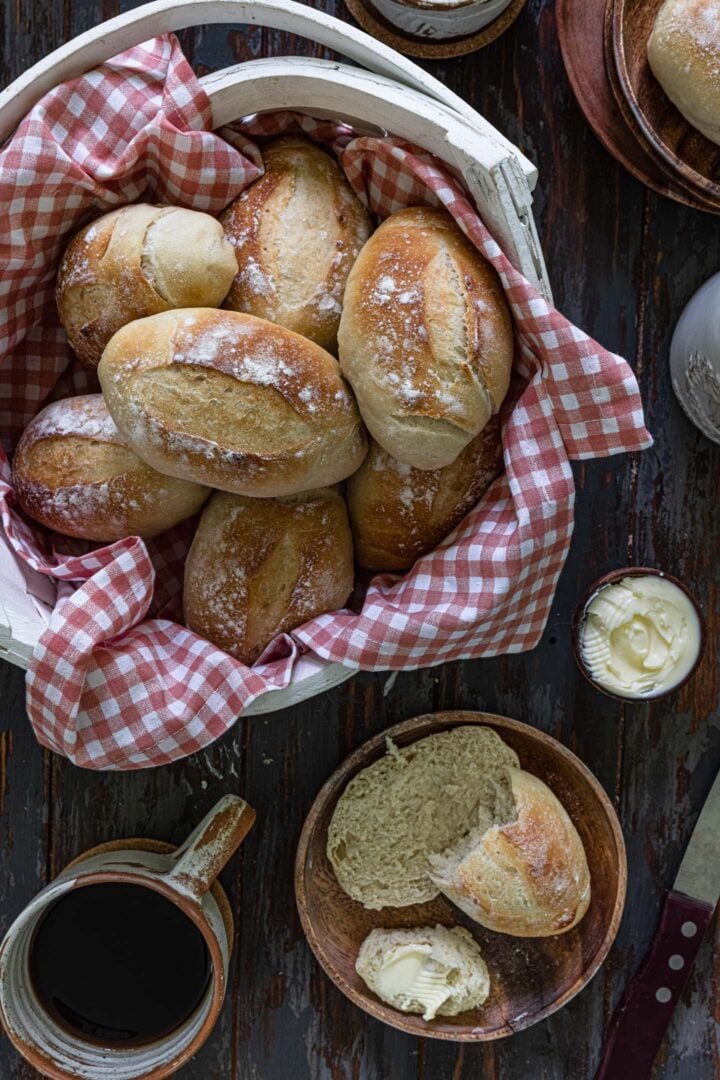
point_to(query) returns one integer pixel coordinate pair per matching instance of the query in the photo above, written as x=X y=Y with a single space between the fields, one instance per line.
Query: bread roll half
x=296 y=232
x=528 y=877
x=74 y=473
x=684 y=54
x=136 y=261
x=259 y=567
x=399 y=513
x=425 y=338
x=232 y=401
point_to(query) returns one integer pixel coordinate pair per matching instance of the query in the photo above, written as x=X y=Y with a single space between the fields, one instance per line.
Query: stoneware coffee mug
x=187 y=877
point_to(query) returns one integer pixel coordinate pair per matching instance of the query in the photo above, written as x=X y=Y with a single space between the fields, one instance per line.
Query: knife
x=642 y=1017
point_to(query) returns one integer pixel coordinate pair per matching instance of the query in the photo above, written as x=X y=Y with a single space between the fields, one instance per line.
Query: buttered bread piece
x=434 y=971
x=297 y=231
x=425 y=338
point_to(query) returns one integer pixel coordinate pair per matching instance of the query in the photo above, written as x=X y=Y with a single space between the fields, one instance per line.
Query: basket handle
x=96 y=46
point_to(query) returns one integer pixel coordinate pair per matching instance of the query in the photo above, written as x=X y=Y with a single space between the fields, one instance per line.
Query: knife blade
x=641 y=1019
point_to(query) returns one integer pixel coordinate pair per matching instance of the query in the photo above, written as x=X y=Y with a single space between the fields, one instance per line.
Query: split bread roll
x=399 y=513
x=296 y=232
x=528 y=877
x=435 y=971
x=260 y=567
x=137 y=261
x=414 y=802
x=684 y=55
x=232 y=401
x=425 y=338
x=73 y=472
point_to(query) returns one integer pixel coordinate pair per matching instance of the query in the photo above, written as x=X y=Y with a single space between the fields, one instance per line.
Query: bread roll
x=232 y=401
x=414 y=802
x=296 y=231
x=435 y=971
x=259 y=567
x=528 y=877
x=684 y=54
x=425 y=338
x=399 y=513
x=74 y=473
x=136 y=261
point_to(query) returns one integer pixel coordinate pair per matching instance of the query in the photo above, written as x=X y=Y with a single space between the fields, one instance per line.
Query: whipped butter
x=409 y=975
x=640 y=637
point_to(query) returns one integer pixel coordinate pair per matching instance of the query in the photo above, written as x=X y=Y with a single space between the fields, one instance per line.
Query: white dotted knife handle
x=641 y=1019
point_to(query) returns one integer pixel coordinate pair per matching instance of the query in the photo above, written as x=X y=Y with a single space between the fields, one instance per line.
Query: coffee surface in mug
x=118 y=964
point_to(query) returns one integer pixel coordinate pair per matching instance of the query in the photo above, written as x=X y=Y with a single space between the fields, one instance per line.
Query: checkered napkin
x=115 y=682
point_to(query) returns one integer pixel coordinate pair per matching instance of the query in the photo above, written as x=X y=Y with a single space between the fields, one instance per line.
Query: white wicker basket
x=388 y=92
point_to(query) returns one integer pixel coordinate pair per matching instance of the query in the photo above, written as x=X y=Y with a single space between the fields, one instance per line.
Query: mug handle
x=209 y=847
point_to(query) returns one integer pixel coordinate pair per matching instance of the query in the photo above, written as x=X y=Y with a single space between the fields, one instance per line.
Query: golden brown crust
x=74 y=473
x=399 y=513
x=232 y=401
x=530 y=877
x=260 y=567
x=684 y=54
x=136 y=261
x=296 y=232
x=425 y=338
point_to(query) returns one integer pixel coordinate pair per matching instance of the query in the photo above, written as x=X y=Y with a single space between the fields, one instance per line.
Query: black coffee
x=118 y=964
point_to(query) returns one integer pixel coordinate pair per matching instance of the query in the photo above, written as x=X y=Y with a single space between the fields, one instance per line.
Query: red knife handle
x=641 y=1019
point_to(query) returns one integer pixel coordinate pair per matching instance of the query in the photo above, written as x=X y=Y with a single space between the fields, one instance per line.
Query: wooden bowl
x=694 y=159
x=530 y=977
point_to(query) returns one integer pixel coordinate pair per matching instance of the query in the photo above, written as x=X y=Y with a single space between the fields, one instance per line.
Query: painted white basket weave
x=387 y=92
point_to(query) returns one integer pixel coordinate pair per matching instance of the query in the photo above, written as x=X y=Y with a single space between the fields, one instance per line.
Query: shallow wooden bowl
x=694 y=159
x=530 y=977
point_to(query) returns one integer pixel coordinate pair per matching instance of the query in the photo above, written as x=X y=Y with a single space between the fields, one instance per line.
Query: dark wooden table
x=622 y=262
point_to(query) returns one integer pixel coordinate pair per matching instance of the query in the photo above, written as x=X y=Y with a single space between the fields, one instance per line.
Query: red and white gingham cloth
x=112 y=688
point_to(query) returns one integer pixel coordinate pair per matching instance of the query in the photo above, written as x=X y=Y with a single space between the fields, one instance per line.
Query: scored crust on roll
x=425 y=338
x=528 y=877
x=684 y=55
x=260 y=567
x=137 y=261
x=232 y=401
x=297 y=231
x=399 y=513
x=74 y=473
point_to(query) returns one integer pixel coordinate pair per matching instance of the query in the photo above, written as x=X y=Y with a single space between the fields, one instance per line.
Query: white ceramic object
x=386 y=93
x=439 y=20
x=695 y=359
x=186 y=878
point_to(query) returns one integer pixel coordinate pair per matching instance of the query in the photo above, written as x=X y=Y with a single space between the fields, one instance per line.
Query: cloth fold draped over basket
x=112 y=688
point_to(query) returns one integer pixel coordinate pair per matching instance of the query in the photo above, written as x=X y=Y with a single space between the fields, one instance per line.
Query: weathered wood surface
x=622 y=262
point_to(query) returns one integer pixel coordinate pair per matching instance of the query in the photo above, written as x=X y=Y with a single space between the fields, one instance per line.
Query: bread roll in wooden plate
x=136 y=261
x=425 y=338
x=232 y=401
x=297 y=232
x=259 y=567
x=74 y=473
x=684 y=54
x=399 y=513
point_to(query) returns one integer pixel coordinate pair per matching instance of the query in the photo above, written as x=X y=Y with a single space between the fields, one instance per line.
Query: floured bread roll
x=425 y=338
x=136 y=261
x=232 y=401
x=399 y=513
x=296 y=231
x=412 y=803
x=528 y=877
x=259 y=567
x=435 y=971
x=74 y=473
x=684 y=54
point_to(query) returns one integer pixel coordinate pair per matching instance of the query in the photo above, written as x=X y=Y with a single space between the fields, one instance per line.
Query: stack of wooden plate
x=604 y=46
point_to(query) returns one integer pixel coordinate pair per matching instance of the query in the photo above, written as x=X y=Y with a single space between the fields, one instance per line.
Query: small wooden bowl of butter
x=638 y=634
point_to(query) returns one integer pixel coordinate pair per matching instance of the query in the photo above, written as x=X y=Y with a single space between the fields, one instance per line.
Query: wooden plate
x=371 y=20
x=685 y=150
x=581 y=32
x=530 y=977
